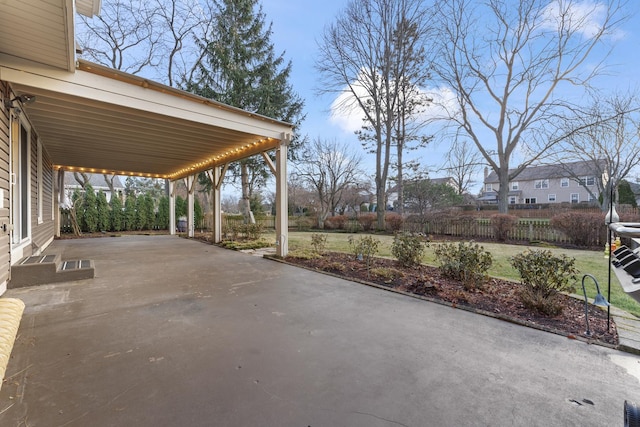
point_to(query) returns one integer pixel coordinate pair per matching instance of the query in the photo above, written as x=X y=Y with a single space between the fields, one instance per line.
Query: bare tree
x=328 y=168
x=508 y=62
x=462 y=164
x=156 y=38
x=122 y=37
x=184 y=21
x=82 y=179
x=608 y=138
x=366 y=59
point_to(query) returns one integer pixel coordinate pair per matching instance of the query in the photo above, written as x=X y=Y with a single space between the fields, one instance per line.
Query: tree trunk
x=400 y=181
x=503 y=192
x=245 y=202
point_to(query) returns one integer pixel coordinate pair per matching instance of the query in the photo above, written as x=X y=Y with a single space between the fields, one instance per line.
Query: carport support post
x=282 y=208
x=190 y=216
x=172 y=208
x=58 y=198
x=217 y=205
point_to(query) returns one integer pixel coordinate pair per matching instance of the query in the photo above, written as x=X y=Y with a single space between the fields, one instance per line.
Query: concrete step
x=41 y=269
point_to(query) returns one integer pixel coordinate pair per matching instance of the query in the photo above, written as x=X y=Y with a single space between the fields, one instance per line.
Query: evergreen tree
x=104 y=220
x=130 y=213
x=625 y=194
x=240 y=68
x=162 y=219
x=90 y=220
x=117 y=216
x=142 y=213
x=197 y=212
x=181 y=207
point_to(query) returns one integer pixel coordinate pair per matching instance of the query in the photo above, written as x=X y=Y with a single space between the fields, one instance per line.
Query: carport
x=94 y=119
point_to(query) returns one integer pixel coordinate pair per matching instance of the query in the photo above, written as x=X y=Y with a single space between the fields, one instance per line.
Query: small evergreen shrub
x=408 y=249
x=466 y=262
x=502 y=225
x=543 y=277
x=319 y=243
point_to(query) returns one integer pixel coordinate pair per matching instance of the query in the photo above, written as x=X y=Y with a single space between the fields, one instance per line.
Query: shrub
x=336 y=222
x=319 y=243
x=502 y=225
x=364 y=248
x=408 y=249
x=253 y=231
x=367 y=221
x=394 y=222
x=466 y=262
x=543 y=277
x=388 y=274
x=581 y=228
x=303 y=223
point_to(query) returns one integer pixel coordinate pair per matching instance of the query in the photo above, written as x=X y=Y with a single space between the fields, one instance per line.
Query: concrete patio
x=174 y=332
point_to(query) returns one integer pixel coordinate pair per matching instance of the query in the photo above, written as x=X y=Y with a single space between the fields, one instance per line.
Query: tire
x=631 y=414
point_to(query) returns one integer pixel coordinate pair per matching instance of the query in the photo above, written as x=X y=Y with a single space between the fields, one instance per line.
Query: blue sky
x=297 y=26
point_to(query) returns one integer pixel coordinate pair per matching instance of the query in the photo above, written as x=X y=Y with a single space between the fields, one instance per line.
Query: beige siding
x=5 y=242
x=41 y=233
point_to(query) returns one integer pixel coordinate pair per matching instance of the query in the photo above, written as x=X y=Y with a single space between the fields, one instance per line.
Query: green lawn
x=590 y=262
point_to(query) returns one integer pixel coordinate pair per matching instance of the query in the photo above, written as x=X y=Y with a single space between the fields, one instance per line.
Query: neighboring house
x=59 y=113
x=97 y=182
x=561 y=183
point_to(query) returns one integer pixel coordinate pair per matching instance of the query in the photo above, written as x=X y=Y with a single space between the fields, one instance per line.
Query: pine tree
x=130 y=213
x=90 y=222
x=117 y=215
x=241 y=68
x=162 y=219
x=104 y=221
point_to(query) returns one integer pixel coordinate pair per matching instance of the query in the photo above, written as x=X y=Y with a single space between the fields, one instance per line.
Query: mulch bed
x=498 y=298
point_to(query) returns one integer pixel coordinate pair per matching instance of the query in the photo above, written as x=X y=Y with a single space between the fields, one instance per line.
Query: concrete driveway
x=173 y=332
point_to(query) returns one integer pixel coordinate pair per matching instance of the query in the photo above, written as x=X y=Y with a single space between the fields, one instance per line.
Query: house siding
x=41 y=232
x=562 y=194
x=5 y=242
x=526 y=190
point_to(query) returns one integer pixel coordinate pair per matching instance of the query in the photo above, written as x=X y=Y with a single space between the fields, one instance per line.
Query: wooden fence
x=481 y=228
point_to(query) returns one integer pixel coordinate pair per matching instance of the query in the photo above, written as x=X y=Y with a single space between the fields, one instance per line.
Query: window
x=575 y=198
x=488 y=187
x=591 y=181
x=530 y=200
x=512 y=200
x=514 y=185
x=564 y=182
x=592 y=198
x=551 y=198
x=542 y=183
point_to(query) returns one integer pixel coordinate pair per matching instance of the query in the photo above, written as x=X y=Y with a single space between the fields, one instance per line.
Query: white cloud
x=585 y=18
x=348 y=116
